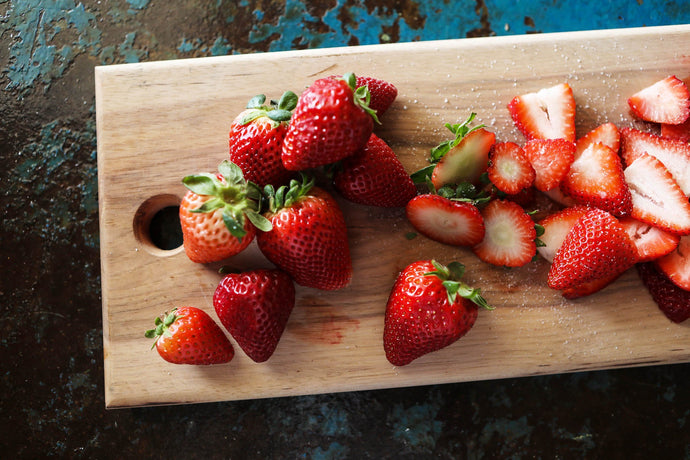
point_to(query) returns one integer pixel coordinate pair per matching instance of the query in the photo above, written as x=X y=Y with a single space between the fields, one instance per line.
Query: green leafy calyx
x=286 y=195
x=450 y=276
x=362 y=95
x=277 y=111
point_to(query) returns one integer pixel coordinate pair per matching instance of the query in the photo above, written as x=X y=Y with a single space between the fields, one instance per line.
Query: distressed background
x=50 y=329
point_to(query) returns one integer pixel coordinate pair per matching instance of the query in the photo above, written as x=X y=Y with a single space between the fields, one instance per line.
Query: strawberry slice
x=679 y=132
x=676 y=264
x=651 y=242
x=551 y=160
x=607 y=134
x=656 y=197
x=510 y=235
x=595 y=178
x=674 y=154
x=596 y=247
x=556 y=227
x=666 y=101
x=466 y=161
x=509 y=169
x=546 y=114
x=673 y=301
x=444 y=220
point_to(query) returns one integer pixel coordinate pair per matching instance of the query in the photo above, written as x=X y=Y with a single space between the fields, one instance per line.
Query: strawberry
x=556 y=226
x=188 y=335
x=308 y=238
x=509 y=238
x=656 y=197
x=595 y=178
x=445 y=220
x=651 y=242
x=673 y=301
x=674 y=154
x=330 y=122
x=509 y=169
x=256 y=139
x=676 y=264
x=546 y=114
x=589 y=287
x=374 y=176
x=551 y=160
x=666 y=101
x=607 y=134
x=219 y=214
x=596 y=247
x=254 y=306
x=464 y=158
x=428 y=308
x=382 y=93
x=679 y=132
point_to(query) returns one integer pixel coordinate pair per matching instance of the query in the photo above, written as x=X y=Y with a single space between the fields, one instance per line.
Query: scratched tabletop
x=52 y=379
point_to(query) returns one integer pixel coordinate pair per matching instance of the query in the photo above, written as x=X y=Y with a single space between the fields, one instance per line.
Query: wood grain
x=159 y=121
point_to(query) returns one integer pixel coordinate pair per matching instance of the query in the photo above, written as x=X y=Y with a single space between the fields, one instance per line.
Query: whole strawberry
x=219 y=214
x=188 y=335
x=428 y=309
x=331 y=121
x=374 y=176
x=256 y=139
x=254 y=306
x=309 y=237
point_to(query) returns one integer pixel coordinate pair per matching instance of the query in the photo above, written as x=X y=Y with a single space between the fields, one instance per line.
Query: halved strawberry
x=551 y=160
x=466 y=161
x=595 y=178
x=666 y=101
x=673 y=153
x=444 y=220
x=556 y=227
x=676 y=264
x=596 y=247
x=679 y=132
x=607 y=133
x=651 y=242
x=509 y=238
x=673 y=301
x=656 y=197
x=546 y=114
x=509 y=169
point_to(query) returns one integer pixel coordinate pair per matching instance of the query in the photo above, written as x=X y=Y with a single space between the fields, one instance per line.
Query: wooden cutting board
x=160 y=121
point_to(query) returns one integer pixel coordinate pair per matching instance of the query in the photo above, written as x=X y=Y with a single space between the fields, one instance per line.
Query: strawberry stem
x=450 y=276
x=361 y=94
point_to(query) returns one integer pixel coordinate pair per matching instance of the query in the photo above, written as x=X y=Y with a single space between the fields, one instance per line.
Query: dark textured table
x=50 y=330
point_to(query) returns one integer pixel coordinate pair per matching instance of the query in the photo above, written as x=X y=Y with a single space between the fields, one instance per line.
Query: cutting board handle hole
x=157 y=225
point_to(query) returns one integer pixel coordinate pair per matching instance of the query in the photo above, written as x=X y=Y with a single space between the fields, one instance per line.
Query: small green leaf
x=411 y=235
x=209 y=206
x=419 y=177
x=233 y=174
x=288 y=101
x=201 y=184
x=256 y=102
x=259 y=221
x=279 y=115
x=235 y=228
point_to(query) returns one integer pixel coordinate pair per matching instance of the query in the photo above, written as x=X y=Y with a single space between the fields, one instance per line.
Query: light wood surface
x=160 y=121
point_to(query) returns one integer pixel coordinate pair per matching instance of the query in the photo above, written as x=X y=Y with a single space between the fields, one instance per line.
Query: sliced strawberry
x=674 y=154
x=651 y=242
x=446 y=221
x=466 y=161
x=595 y=178
x=509 y=238
x=589 y=287
x=676 y=264
x=556 y=195
x=546 y=114
x=596 y=247
x=551 y=160
x=556 y=227
x=673 y=301
x=679 y=132
x=656 y=197
x=607 y=134
x=666 y=101
x=509 y=169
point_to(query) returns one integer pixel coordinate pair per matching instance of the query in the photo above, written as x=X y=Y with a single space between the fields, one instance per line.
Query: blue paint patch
x=129 y=52
x=34 y=25
x=221 y=47
x=189 y=45
x=138 y=4
x=335 y=451
x=417 y=426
